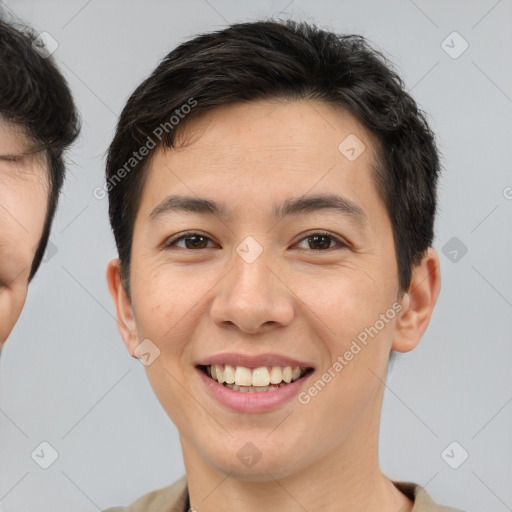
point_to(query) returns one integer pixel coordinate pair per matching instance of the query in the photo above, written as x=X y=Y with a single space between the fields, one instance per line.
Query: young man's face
x=264 y=277
x=23 y=203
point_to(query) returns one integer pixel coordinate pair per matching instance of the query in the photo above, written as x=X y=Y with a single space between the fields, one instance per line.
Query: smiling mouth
x=251 y=380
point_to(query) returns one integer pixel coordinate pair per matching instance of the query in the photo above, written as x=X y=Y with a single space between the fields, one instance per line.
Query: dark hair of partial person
x=290 y=60
x=35 y=99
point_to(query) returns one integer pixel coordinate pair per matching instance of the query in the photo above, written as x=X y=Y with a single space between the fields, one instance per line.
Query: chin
x=251 y=464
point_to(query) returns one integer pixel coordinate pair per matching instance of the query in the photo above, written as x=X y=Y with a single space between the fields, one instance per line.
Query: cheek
x=11 y=304
x=344 y=301
x=26 y=207
x=354 y=318
x=167 y=304
x=357 y=342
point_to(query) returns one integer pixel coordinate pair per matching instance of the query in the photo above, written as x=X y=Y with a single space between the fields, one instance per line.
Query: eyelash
x=340 y=243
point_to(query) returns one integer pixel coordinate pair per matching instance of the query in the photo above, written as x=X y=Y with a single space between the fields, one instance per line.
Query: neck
x=347 y=479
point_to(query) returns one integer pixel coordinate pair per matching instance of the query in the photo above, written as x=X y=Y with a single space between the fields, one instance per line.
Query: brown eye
x=195 y=242
x=190 y=241
x=319 y=241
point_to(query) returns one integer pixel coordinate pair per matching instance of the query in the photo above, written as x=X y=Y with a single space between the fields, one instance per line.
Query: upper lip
x=253 y=361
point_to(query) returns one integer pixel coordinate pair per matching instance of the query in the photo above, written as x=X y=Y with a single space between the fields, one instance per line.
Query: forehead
x=12 y=139
x=273 y=127
x=265 y=150
x=20 y=159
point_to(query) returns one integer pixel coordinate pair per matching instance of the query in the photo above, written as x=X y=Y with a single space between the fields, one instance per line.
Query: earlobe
x=122 y=304
x=418 y=304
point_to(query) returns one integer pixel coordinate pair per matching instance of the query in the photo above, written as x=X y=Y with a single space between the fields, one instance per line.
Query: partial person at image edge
x=38 y=121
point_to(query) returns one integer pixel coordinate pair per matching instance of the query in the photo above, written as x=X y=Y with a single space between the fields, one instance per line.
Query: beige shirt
x=175 y=499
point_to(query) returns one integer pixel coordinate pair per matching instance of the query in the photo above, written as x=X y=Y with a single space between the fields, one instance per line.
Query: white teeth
x=229 y=374
x=240 y=378
x=243 y=376
x=260 y=376
x=220 y=373
x=276 y=375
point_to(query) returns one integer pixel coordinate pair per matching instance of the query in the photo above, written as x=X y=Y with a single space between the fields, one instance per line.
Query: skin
x=23 y=205
x=294 y=300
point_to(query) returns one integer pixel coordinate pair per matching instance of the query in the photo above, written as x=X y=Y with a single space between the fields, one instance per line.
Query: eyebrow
x=308 y=204
x=302 y=205
x=15 y=157
x=10 y=158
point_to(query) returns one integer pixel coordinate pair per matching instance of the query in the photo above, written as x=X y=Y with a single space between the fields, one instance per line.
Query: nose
x=253 y=297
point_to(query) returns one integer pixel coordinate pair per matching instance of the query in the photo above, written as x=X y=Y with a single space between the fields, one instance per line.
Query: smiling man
x=272 y=194
x=38 y=121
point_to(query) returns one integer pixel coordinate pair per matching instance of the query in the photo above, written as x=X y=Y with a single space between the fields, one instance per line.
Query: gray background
x=66 y=377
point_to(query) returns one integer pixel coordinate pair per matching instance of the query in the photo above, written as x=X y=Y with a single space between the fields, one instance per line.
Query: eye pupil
x=195 y=242
x=323 y=240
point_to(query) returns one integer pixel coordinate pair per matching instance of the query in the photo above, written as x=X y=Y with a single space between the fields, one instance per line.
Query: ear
x=418 y=304
x=124 y=312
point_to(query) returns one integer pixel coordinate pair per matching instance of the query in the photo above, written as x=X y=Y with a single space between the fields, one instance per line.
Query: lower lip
x=252 y=401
